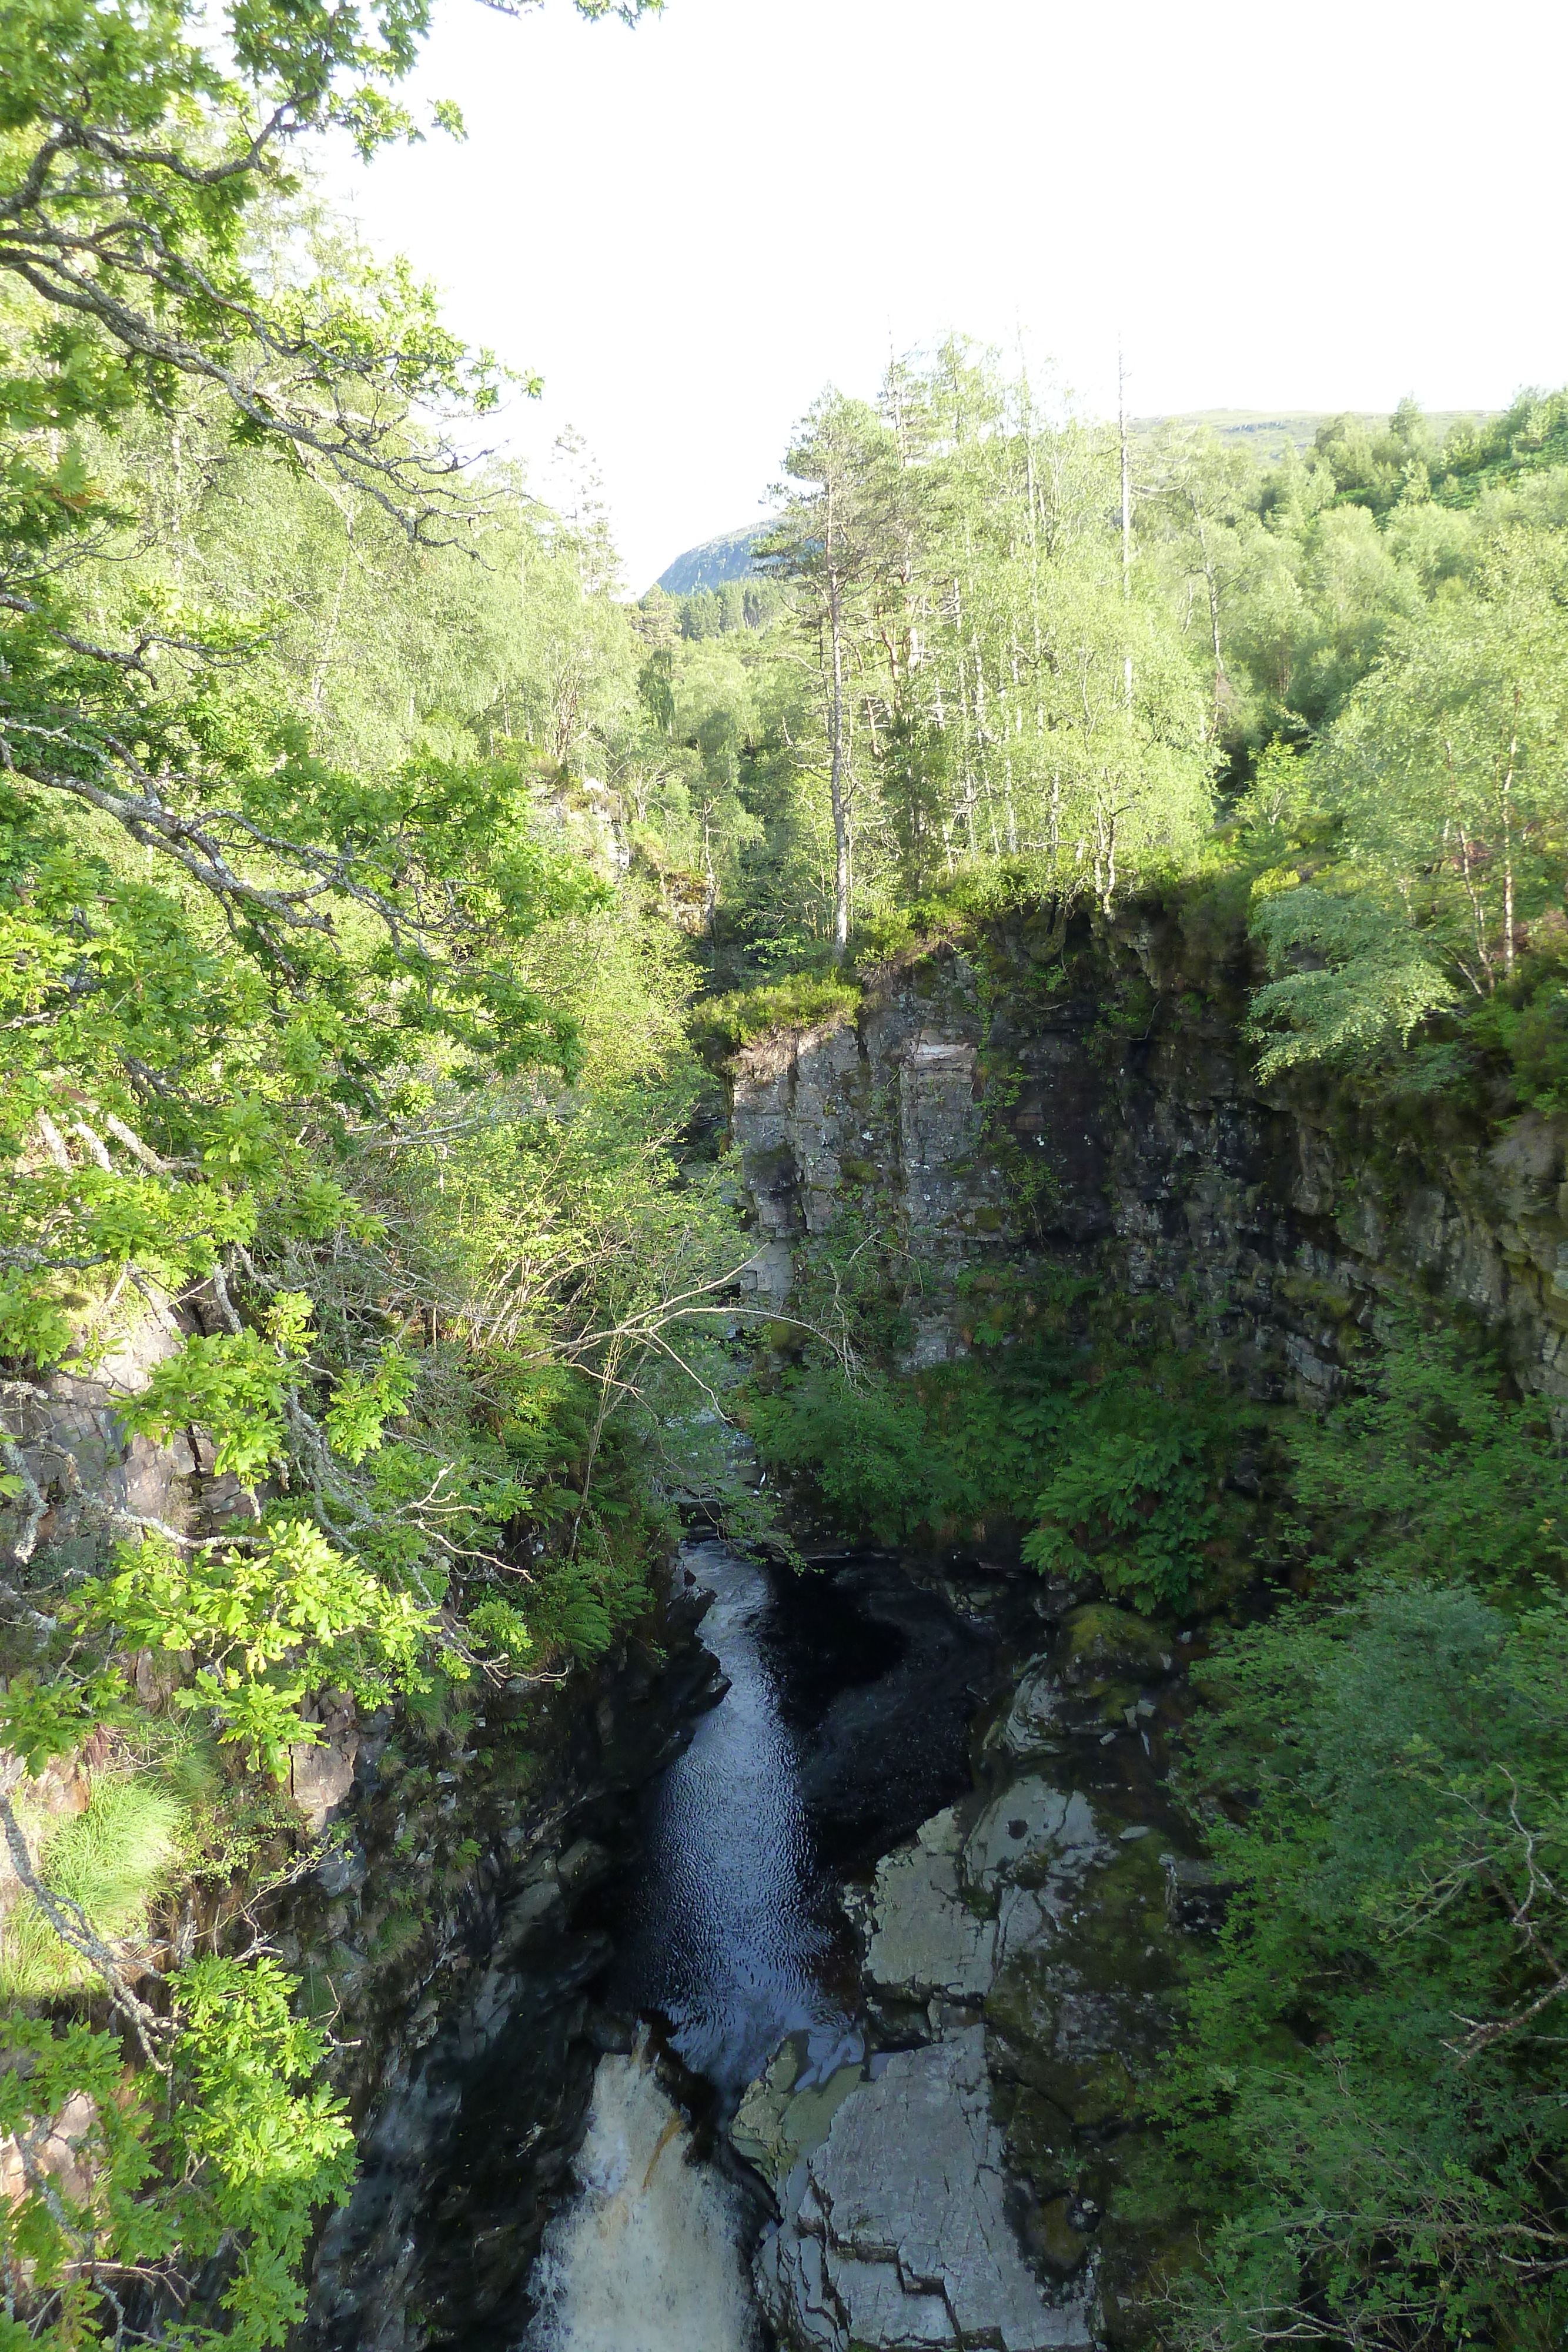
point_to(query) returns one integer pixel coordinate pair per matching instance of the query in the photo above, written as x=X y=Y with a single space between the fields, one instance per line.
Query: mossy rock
x=1023 y=2011
x=1100 y=1643
x=1039 y=2139
x=1092 y=2088
x=1061 y=2245
x=1080 y=2015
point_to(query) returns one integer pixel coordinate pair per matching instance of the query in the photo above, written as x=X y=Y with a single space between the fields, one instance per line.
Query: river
x=845 y=1724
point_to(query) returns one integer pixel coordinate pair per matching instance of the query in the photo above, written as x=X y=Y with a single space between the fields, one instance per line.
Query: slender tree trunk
x=1211 y=583
x=1126 y=514
x=1508 y=841
x=839 y=770
x=1474 y=892
x=982 y=736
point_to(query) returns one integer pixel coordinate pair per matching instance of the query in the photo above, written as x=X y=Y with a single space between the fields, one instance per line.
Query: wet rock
x=1079 y=2006
x=901 y=2241
x=343 y=1869
x=925 y=1943
x=1060 y=2240
x=1031 y=1835
x=1032 y=1726
x=322 y=1773
x=1100 y=1644
x=778 y=2123
x=1195 y=1892
x=582 y=1865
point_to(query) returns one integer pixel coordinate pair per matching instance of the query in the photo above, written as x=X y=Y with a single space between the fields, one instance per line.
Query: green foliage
x=1366 y=2106
x=362 y=1404
x=265 y=2151
x=110 y=1860
x=260 y=1626
x=241 y=2157
x=1136 y=1492
x=1369 y=981
x=232 y=1386
x=1434 y=1463
x=804 y=1000
x=1369 y=2102
x=1443 y=781
x=1121 y=1471
x=334 y=1055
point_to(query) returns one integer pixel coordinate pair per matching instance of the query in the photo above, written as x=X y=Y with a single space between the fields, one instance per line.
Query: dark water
x=845 y=1724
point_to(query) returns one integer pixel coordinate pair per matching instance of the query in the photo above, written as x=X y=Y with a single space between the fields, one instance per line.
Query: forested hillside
x=346 y=1080
x=370 y=877
x=1017 y=641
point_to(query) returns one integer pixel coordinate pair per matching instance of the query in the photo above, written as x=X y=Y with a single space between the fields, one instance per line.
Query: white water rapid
x=647 y=2256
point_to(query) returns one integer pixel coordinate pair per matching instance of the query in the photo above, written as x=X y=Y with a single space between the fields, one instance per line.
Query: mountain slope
x=712 y=562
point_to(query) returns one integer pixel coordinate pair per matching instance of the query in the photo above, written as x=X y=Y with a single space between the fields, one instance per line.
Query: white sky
x=690 y=227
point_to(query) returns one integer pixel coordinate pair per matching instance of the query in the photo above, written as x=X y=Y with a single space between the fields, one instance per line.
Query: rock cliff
x=1092 y=1100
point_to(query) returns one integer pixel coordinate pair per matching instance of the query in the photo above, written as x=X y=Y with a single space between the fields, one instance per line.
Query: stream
x=845 y=1724
x=877 y=1886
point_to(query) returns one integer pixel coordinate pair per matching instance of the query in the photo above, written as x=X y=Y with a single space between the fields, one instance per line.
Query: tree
x=1206 y=492
x=1446 y=773
x=241 y=923
x=829 y=542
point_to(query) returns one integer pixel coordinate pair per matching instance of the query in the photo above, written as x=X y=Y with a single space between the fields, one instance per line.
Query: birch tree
x=831 y=540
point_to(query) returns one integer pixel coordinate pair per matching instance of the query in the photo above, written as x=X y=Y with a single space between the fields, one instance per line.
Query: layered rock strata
x=1103 y=1110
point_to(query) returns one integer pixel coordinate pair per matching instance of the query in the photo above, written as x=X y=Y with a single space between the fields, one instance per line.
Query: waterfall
x=648 y=2256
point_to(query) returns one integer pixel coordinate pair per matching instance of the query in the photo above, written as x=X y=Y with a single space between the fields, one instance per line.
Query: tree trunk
x=1508 y=841
x=1126 y=516
x=837 y=782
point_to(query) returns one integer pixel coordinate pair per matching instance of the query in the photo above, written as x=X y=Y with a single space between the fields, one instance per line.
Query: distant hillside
x=714 y=562
x=1269 y=435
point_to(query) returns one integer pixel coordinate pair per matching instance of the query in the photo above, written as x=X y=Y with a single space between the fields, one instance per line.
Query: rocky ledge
x=901 y=2235
x=971 y=2184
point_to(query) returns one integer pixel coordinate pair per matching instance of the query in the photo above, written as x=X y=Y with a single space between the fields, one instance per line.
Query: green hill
x=712 y=562
x=1270 y=432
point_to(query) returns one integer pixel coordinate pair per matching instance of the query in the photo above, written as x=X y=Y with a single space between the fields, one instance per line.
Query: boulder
x=1032 y=1726
x=925 y=1944
x=1079 y=2005
x=901 y=2241
x=1033 y=1835
x=782 y=2120
x=1100 y=1644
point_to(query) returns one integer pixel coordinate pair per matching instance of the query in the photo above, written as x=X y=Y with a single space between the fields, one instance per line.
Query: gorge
x=783 y=1468
x=912 y=1899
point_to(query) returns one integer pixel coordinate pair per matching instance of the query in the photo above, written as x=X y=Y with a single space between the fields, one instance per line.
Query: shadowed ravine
x=845 y=1724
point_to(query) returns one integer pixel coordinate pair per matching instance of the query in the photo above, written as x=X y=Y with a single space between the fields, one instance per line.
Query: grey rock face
x=1032 y=1724
x=925 y=1943
x=1171 y=1170
x=778 y=2123
x=901 y=2242
x=1029 y=1835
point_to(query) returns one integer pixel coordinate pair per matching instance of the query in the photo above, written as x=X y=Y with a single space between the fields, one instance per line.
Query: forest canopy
x=1016 y=639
